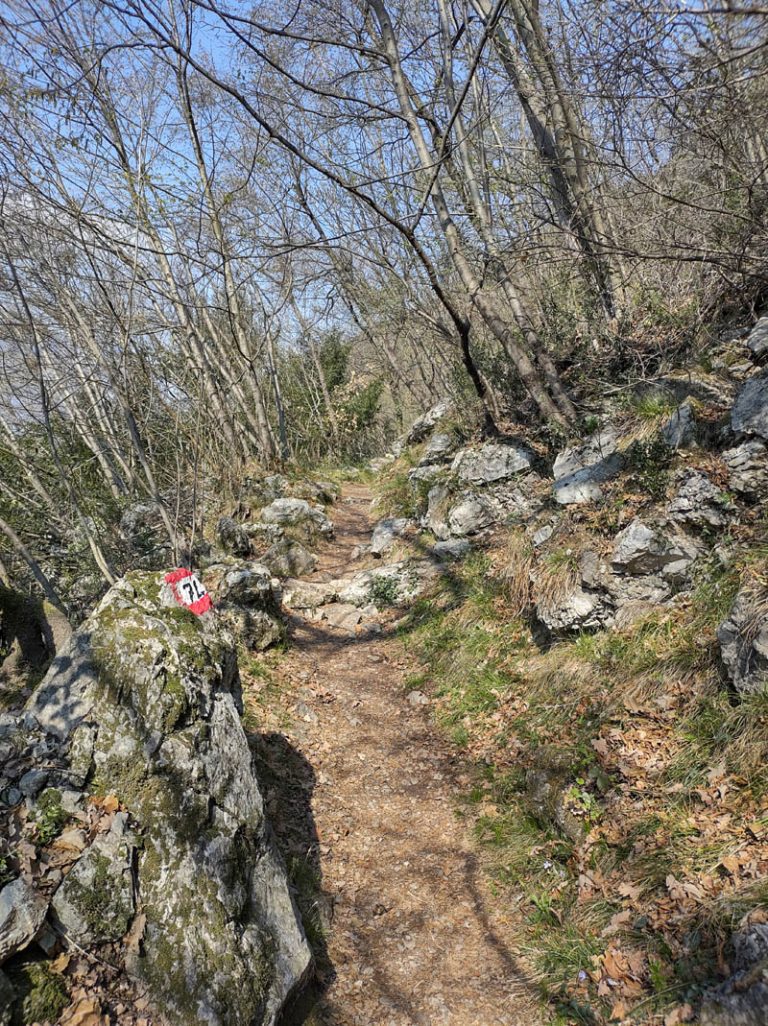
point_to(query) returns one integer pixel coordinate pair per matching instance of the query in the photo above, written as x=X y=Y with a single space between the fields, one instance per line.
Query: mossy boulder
x=159 y=690
x=287 y=558
x=247 y=603
x=298 y=520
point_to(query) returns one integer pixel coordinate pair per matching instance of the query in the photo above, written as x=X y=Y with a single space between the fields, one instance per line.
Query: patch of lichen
x=101 y=904
x=225 y=977
x=41 y=995
x=157 y=802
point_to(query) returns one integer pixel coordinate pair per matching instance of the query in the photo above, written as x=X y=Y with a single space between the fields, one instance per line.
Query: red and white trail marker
x=189 y=591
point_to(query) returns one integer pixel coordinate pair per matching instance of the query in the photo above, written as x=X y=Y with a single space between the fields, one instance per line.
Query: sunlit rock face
x=155 y=692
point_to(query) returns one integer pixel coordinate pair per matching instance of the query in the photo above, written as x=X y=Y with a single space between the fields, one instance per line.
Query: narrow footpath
x=363 y=792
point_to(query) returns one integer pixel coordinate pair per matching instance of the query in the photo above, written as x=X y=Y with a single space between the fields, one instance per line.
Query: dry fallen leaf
x=631 y=891
x=60 y=963
x=71 y=840
x=683 y=1013
x=619 y=1010
x=134 y=936
x=109 y=803
x=84 y=1012
x=619 y=920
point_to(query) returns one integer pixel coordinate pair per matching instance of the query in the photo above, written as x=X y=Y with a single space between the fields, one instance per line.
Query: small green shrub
x=6 y=870
x=50 y=816
x=652 y=405
x=383 y=592
x=649 y=463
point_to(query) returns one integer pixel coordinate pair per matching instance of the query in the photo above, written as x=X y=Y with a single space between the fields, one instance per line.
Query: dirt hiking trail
x=361 y=788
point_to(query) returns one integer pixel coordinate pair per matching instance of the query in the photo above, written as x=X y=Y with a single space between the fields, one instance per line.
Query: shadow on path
x=287 y=781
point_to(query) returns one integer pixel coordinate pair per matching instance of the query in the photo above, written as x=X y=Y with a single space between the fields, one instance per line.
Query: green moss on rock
x=41 y=995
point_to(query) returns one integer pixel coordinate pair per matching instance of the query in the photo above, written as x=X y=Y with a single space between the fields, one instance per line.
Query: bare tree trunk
x=486 y=305
x=47 y=588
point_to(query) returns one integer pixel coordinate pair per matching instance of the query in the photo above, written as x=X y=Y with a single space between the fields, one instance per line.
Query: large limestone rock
x=743 y=638
x=22 y=912
x=396 y=584
x=698 y=502
x=468 y=512
x=576 y=610
x=749 y=415
x=435 y=519
x=451 y=550
x=298 y=519
x=96 y=904
x=491 y=462
x=579 y=471
x=425 y=424
x=232 y=537
x=158 y=690
x=308 y=594
x=385 y=534
x=679 y=430
x=426 y=472
x=748 y=468
x=247 y=602
x=263 y=490
x=640 y=550
x=757 y=343
x=470 y=515
x=439 y=448
x=287 y=558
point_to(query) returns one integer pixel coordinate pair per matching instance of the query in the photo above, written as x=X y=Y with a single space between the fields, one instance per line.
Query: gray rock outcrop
x=96 y=903
x=470 y=515
x=749 y=415
x=680 y=429
x=158 y=690
x=698 y=502
x=298 y=519
x=439 y=448
x=743 y=640
x=491 y=462
x=424 y=425
x=232 y=537
x=22 y=912
x=385 y=534
x=579 y=471
x=451 y=549
x=576 y=610
x=748 y=468
x=396 y=584
x=247 y=602
x=640 y=550
x=288 y=558
x=757 y=342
